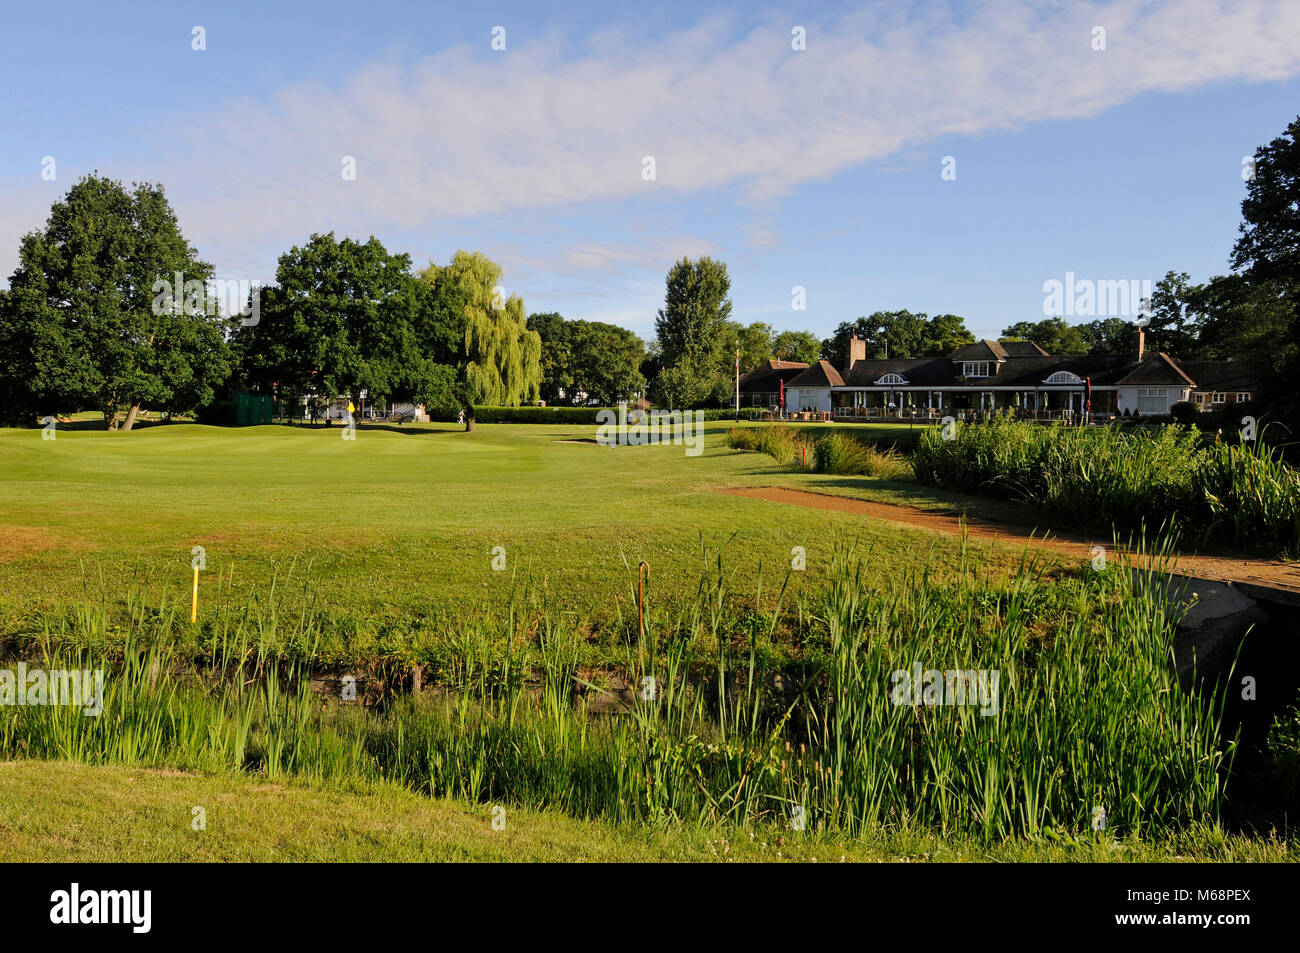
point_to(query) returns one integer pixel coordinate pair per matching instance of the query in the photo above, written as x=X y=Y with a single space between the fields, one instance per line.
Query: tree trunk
x=130 y=417
x=469 y=419
x=110 y=418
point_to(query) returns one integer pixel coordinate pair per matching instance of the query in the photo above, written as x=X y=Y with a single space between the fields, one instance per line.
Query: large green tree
x=1109 y=336
x=1268 y=248
x=587 y=360
x=753 y=341
x=800 y=346
x=1054 y=335
x=898 y=334
x=336 y=323
x=1170 y=317
x=944 y=333
x=497 y=359
x=93 y=317
x=557 y=374
x=691 y=331
x=1267 y=259
x=606 y=361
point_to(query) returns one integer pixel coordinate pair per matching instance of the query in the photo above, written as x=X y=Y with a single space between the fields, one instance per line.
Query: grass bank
x=92 y=814
x=1037 y=704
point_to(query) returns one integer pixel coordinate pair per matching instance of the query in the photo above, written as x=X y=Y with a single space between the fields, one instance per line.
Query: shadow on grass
x=99 y=425
x=400 y=428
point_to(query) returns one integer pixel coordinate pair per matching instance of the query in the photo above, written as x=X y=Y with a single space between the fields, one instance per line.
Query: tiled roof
x=984 y=350
x=1156 y=369
x=766 y=375
x=1027 y=372
x=1033 y=371
x=1022 y=349
x=1222 y=375
x=922 y=372
x=1021 y=364
x=821 y=374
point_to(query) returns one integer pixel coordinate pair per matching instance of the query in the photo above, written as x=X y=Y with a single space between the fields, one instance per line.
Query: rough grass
x=1106 y=478
x=828 y=450
x=842 y=454
x=1088 y=712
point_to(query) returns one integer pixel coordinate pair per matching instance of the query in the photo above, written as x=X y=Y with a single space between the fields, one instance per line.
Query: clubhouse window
x=1153 y=400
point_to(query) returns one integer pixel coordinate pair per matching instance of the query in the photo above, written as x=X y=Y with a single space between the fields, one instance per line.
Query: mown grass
x=111 y=813
x=391 y=537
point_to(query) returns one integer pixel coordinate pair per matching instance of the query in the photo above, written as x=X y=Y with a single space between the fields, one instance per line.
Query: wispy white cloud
x=719 y=105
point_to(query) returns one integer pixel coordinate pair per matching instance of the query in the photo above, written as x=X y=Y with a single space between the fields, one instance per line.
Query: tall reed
x=1105 y=478
x=1089 y=715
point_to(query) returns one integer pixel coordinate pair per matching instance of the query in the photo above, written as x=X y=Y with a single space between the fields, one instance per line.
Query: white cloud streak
x=721 y=107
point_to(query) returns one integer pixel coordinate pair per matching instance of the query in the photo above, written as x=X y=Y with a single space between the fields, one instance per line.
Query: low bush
x=782 y=443
x=838 y=452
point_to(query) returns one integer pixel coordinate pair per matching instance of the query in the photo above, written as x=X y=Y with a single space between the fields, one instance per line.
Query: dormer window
x=975 y=369
x=1064 y=377
x=893 y=379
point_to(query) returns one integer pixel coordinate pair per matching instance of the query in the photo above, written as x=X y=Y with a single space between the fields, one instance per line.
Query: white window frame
x=1243 y=396
x=1063 y=377
x=1218 y=398
x=1151 y=394
x=975 y=369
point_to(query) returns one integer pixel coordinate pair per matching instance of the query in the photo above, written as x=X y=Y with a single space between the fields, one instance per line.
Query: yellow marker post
x=194 y=605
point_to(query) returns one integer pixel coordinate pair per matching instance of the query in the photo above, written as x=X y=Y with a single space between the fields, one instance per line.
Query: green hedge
x=535 y=415
x=560 y=415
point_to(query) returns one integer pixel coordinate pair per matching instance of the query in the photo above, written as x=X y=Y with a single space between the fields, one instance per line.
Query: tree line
x=110 y=309
x=83 y=324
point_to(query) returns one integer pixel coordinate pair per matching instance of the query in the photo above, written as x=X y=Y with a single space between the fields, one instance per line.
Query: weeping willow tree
x=483 y=333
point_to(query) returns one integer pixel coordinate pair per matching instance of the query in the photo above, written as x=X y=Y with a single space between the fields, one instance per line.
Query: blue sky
x=817 y=168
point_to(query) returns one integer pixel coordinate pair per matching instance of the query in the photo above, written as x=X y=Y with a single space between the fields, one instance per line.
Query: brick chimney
x=1142 y=343
x=857 y=351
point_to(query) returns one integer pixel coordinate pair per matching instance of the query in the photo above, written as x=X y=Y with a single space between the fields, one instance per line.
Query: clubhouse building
x=991 y=375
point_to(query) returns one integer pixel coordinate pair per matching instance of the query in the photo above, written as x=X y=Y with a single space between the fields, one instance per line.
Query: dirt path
x=1273 y=573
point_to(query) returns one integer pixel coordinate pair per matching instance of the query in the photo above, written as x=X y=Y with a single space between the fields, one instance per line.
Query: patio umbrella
x=782 y=383
x=1087 y=399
